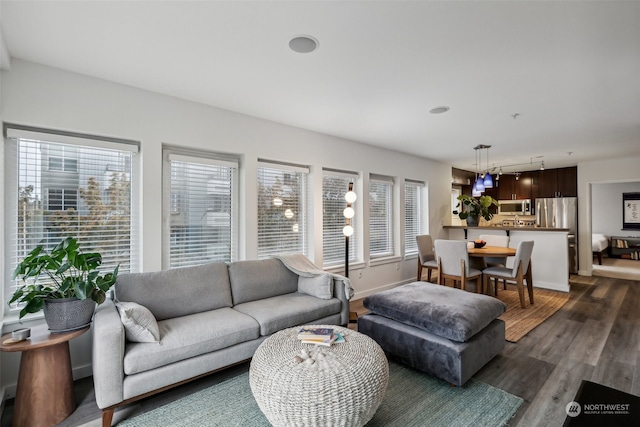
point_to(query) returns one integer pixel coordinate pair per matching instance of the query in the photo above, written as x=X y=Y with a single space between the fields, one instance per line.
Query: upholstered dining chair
x=496 y=240
x=453 y=263
x=426 y=256
x=519 y=273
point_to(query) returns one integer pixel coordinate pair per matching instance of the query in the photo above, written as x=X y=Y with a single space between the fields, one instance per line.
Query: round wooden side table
x=44 y=395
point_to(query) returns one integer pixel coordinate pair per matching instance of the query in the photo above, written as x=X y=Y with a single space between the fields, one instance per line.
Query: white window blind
x=334 y=186
x=61 y=185
x=202 y=210
x=282 y=197
x=380 y=217
x=412 y=215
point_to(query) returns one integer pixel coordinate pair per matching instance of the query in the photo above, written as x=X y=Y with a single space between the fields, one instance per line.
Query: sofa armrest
x=338 y=292
x=108 y=355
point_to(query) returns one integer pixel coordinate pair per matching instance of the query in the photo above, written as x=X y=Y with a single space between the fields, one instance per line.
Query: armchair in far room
x=426 y=256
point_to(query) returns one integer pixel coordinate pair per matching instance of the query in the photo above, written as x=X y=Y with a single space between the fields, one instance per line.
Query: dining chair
x=519 y=273
x=426 y=256
x=453 y=263
x=496 y=240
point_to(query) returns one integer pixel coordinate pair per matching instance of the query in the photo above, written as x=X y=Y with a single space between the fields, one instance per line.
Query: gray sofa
x=208 y=317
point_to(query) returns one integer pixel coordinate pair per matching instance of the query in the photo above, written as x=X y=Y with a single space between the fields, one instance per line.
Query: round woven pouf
x=298 y=384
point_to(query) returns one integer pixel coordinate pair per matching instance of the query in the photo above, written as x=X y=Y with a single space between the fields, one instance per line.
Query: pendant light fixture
x=488 y=181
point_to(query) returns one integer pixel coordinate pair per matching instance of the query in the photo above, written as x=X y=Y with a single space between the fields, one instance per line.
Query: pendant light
x=488 y=181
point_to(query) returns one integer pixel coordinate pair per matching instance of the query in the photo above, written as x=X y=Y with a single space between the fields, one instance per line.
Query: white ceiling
x=571 y=70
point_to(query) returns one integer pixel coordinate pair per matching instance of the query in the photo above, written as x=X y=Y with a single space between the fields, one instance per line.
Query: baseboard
x=360 y=295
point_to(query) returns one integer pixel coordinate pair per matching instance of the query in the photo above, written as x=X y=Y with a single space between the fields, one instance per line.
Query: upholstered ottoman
x=443 y=331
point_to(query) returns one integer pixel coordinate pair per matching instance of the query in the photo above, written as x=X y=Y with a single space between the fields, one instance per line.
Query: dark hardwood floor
x=595 y=336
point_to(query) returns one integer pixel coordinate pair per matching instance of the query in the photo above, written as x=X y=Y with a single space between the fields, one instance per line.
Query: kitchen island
x=550 y=257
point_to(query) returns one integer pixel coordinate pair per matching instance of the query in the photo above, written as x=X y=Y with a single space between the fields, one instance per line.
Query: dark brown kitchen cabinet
x=510 y=188
x=562 y=182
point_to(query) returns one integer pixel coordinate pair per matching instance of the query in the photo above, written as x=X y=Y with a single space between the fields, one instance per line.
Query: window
x=63 y=158
x=201 y=202
x=282 y=197
x=380 y=217
x=334 y=186
x=45 y=202
x=61 y=199
x=412 y=215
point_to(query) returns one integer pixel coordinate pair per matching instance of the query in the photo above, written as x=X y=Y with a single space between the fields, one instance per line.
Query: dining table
x=491 y=251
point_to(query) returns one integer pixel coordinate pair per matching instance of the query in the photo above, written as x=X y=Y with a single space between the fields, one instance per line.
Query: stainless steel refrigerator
x=561 y=212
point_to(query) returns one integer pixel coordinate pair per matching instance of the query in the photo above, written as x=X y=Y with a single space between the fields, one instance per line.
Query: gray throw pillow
x=320 y=286
x=139 y=323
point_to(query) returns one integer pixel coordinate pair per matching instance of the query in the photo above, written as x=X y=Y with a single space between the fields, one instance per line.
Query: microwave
x=514 y=207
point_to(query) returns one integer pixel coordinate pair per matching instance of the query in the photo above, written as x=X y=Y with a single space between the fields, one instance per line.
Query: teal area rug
x=413 y=399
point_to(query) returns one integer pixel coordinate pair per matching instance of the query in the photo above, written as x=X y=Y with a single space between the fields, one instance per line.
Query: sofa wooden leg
x=107 y=416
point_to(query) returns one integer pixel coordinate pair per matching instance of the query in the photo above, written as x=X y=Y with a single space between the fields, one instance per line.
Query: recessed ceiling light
x=439 y=110
x=303 y=44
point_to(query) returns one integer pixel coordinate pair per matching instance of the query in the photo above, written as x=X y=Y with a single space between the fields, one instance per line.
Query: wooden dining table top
x=492 y=251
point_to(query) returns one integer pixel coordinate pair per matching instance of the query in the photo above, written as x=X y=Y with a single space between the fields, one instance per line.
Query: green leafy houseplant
x=72 y=274
x=476 y=206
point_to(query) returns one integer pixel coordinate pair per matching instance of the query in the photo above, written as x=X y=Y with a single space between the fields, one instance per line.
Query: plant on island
x=476 y=206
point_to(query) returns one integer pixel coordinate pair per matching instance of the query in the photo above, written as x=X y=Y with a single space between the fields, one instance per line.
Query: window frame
x=410 y=243
x=355 y=251
x=389 y=226
x=303 y=246
x=112 y=151
x=171 y=202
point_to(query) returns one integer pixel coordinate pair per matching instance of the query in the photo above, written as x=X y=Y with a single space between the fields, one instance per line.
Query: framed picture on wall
x=631 y=211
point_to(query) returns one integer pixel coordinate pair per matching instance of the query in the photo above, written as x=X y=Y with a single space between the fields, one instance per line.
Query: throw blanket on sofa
x=302 y=266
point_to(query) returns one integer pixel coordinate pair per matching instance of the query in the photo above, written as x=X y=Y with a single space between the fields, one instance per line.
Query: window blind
x=201 y=206
x=334 y=186
x=380 y=217
x=412 y=216
x=282 y=196
x=71 y=188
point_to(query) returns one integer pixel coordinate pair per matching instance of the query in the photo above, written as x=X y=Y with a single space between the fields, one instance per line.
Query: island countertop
x=501 y=227
x=550 y=256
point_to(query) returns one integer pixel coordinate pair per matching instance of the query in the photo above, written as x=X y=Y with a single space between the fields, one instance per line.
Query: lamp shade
x=350 y=197
x=488 y=181
x=347 y=230
x=288 y=214
x=348 y=213
x=479 y=184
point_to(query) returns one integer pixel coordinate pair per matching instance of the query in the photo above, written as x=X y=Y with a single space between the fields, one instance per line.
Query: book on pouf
x=315 y=334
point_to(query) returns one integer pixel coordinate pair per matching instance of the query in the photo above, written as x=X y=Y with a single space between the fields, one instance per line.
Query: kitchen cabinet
x=562 y=182
x=510 y=188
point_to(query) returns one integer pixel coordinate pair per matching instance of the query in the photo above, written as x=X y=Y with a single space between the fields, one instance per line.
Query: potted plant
x=73 y=288
x=476 y=207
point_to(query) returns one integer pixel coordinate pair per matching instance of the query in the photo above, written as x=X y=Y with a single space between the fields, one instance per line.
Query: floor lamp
x=348 y=213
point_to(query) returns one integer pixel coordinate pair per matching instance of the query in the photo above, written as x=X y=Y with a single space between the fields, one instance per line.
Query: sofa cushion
x=190 y=336
x=256 y=280
x=320 y=286
x=139 y=323
x=179 y=291
x=443 y=311
x=276 y=313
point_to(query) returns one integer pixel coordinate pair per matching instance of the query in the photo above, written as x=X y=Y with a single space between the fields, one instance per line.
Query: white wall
x=590 y=174
x=606 y=205
x=50 y=98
